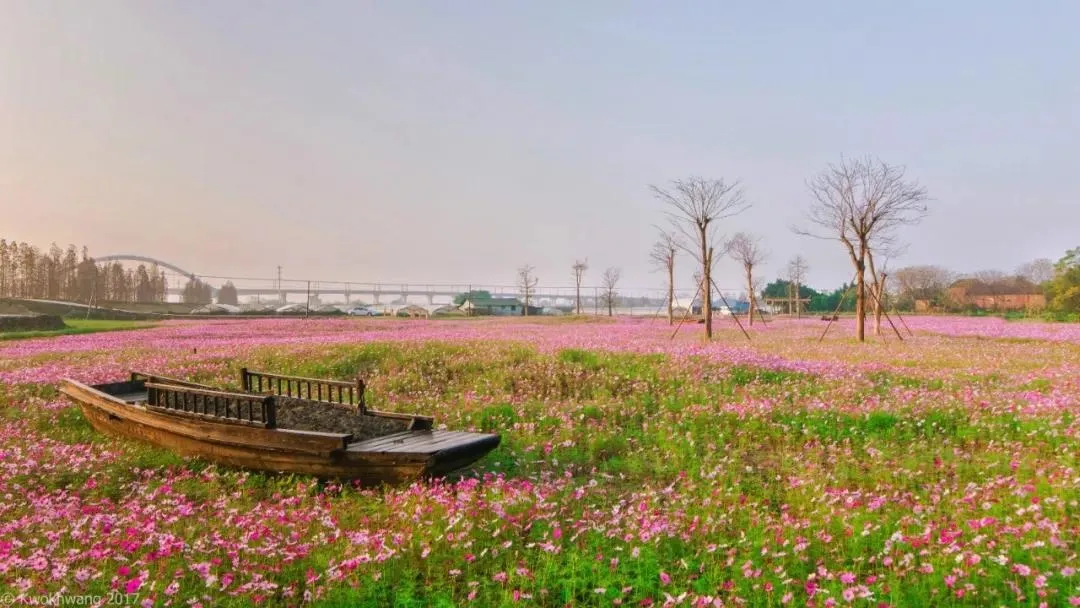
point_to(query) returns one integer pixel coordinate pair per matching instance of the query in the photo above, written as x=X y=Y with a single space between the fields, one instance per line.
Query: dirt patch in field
x=303 y=415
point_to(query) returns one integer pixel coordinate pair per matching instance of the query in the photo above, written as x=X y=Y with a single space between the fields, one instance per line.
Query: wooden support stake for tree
x=688 y=310
x=902 y=321
x=656 y=315
x=733 y=315
x=843 y=297
x=887 y=317
x=760 y=316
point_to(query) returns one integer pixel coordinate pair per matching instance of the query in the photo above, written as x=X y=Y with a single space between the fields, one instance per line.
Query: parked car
x=362 y=311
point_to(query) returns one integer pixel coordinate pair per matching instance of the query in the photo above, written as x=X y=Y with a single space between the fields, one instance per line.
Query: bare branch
x=862 y=203
x=695 y=207
x=609 y=282
x=797 y=269
x=663 y=258
x=664 y=250
x=747 y=250
x=579 y=268
x=527 y=282
x=1037 y=271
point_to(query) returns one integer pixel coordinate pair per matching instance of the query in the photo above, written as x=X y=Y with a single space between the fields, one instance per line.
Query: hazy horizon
x=430 y=143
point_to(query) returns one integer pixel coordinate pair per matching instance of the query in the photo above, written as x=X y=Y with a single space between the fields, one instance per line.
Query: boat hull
x=324 y=455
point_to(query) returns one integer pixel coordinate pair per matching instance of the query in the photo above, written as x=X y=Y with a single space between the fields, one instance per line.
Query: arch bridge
x=125 y=257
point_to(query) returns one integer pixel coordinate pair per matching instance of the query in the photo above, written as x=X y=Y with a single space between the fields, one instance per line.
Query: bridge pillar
x=375 y=297
x=430 y=299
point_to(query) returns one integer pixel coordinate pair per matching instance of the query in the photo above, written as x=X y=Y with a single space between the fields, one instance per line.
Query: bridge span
x=279 y=290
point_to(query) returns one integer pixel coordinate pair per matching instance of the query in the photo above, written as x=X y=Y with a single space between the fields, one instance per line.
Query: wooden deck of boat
x=134 y=397
x=423 y=442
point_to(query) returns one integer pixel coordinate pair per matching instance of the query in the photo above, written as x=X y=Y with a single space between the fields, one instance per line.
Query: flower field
x=635 y=469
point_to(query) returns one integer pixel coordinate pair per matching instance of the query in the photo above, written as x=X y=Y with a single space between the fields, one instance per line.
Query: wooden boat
x=279 y=423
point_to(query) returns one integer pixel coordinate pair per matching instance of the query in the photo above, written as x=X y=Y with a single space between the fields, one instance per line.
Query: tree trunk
x=749 y=294
x=878 y=293
x=671 y=294
x=798 y=301
x=860 y=303
x=706 y=283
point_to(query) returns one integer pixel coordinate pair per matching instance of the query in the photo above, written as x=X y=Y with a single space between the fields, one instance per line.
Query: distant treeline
x=72 y=275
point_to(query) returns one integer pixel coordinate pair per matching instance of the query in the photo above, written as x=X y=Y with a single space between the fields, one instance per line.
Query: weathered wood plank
x=369 y=471
x=206 y=431
x=301 y=379
x=423 y=442
x=159 y=379
x=240 y=407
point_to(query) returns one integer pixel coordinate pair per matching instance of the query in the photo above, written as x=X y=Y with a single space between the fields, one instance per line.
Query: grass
x=77 y=326
x=627 y=477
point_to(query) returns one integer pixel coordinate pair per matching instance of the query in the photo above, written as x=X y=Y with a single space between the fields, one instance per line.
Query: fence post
x=270 y=412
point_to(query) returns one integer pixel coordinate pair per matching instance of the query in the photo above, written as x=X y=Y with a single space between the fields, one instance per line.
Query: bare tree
x=877 y=280
x=527 y=283
x=695 y=206
x=862 y=203
x=747 y=250
x=663 y=257
x=609 y=282
x=796 y=270
x=1037 y=271
x=927 y=283
x=579 y=267
x=989 y=276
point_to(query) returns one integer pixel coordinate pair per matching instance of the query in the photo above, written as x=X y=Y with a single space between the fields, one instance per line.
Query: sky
x=453 y=142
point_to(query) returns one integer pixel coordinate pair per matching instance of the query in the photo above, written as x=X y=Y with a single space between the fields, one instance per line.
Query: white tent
x=216 y=309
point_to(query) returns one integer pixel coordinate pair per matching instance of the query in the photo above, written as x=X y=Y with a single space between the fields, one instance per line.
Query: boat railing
x=220 y=406
x=328 y=391
x=159 y=379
